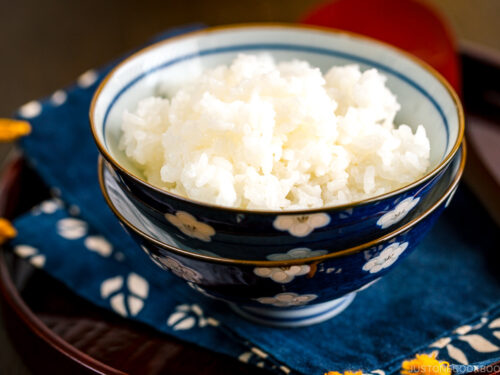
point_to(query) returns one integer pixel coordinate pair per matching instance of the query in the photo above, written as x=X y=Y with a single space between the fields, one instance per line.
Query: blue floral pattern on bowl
x=254 y=236
x=191 y=227
x=300 y=225
x=294 y=287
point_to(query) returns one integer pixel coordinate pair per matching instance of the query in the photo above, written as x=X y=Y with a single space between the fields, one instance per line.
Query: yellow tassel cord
x=345 y=373
x=424 y=364
x=7 y=231
x=10 y=130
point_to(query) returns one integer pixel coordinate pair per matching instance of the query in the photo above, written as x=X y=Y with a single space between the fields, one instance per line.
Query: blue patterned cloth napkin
x=444 y=297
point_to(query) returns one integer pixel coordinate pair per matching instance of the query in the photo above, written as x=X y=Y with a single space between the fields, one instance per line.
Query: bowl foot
x=296 y=317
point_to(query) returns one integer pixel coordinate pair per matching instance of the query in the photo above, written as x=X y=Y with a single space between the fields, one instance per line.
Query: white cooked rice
x=278 y=136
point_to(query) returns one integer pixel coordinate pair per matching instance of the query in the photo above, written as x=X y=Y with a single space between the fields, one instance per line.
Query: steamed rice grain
x=278 y=136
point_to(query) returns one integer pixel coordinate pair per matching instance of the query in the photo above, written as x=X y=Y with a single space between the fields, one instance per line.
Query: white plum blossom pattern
x=286 y=274
x=386 y=258
x=31 y=254
x=301 y=225
x=128 y=301
x=187 y=316
x=398 y=213
x=287 y=299
x=177 y=268
x=191 y=227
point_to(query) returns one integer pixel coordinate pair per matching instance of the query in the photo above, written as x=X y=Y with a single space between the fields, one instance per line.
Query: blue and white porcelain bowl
x=298 y=287
x=424 y=96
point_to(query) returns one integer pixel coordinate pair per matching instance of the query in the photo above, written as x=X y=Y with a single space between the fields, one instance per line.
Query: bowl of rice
x=299 y=287
x=247 y=141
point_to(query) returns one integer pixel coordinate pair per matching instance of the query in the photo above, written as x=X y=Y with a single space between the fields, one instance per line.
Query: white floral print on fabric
x=99 y=245
x=87 y=79
x=126 y=300
x=50 y=206
x=47 y=207
x=257 y=357
x=287 y=299
x=31 y=109
x=31 y=254
x=471 y=342
x=301 y=225
x=191 y=227
x=386 y=258
x=71 y=228
x=188 y=316
x=58 y=97
x=251 y=358
x=397 y=213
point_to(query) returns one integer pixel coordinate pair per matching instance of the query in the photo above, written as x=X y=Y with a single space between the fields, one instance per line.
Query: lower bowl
x=294 y=291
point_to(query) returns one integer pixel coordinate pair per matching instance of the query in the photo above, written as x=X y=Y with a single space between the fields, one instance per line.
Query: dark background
x=45 y=45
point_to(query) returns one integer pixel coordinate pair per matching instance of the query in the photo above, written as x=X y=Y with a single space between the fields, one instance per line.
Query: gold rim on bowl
x=210 y=30
x=280 y=263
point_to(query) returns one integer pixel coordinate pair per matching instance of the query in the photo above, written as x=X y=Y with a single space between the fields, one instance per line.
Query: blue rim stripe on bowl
x=282 y=47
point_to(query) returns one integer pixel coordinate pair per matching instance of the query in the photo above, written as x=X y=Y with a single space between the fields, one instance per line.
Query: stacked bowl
x=287 y=268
